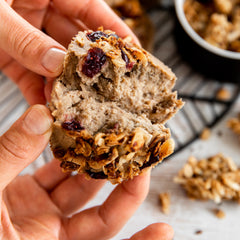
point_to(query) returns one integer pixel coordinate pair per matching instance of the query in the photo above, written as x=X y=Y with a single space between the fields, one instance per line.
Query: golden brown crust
x=114 y=156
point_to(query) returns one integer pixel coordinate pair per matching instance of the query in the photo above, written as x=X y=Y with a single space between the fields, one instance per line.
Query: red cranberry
x=94 y=61
x=129 y=64
x=72 y=126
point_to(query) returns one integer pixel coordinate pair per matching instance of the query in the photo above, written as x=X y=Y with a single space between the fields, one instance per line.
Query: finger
x=64 y=25
x=156 y=231
x=72 y=194
x=28 y=45
x=95 y=13
x=24 y=142
x=30 y=84
x=48 y=90
x=110 y=217
x=50 y=175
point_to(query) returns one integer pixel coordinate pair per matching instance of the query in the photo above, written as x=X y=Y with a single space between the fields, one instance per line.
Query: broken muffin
x=109 y=106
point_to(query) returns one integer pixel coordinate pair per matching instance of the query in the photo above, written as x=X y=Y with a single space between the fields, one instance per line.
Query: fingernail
x=53 y=60
x=37 y=120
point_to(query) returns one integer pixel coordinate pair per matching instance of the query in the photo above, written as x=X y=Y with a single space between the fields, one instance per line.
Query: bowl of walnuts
x=208 y=36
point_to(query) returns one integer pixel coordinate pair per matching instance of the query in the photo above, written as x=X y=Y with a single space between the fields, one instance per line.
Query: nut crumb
x=206 y=133
x=215 y=178
x=219 y=213
x=223 y=94
x=164 y=199
x=234 y=124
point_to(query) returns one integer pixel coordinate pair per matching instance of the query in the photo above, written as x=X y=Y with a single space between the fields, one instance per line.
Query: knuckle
x=28 y=44
x=12 y=147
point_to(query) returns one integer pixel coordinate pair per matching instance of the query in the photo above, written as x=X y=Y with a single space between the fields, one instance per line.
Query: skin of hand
x=46 y=205
x=35 y=33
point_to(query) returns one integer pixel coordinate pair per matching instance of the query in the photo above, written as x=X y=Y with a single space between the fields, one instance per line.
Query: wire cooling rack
x=202 y=108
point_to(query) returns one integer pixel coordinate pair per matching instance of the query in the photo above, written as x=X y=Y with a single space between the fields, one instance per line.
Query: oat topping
x=216 y=178
x=216 y=21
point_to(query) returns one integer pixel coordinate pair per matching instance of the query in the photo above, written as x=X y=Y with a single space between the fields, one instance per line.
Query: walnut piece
x=234 y=124
x=219 y=213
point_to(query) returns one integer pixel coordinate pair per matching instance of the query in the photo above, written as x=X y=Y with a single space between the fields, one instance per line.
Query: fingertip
x=37 y=120
x=52 y=61
x=164 y=230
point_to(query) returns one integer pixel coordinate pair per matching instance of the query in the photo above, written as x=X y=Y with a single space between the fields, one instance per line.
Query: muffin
x=109 y=106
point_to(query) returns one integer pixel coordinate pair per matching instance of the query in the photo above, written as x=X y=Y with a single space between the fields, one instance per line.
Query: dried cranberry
x=72 y=126
x=94 y=61
x=93 y=36
x=125 y=58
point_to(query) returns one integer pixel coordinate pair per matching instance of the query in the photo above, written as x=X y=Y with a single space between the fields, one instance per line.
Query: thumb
x=28 y=45
x=24 y=142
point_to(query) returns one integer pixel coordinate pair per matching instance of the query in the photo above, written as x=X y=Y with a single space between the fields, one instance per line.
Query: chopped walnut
x=234 y=124
x=216 y=178
x=219 y=213
x=206 y=133
x=164 y=199
x=223 y=94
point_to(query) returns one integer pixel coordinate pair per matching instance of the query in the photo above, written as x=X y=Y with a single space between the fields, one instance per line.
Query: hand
x=27 y=54
x=46 y=206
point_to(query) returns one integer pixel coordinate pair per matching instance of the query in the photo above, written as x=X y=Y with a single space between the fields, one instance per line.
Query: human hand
x=46 y=205
x=27 y=54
